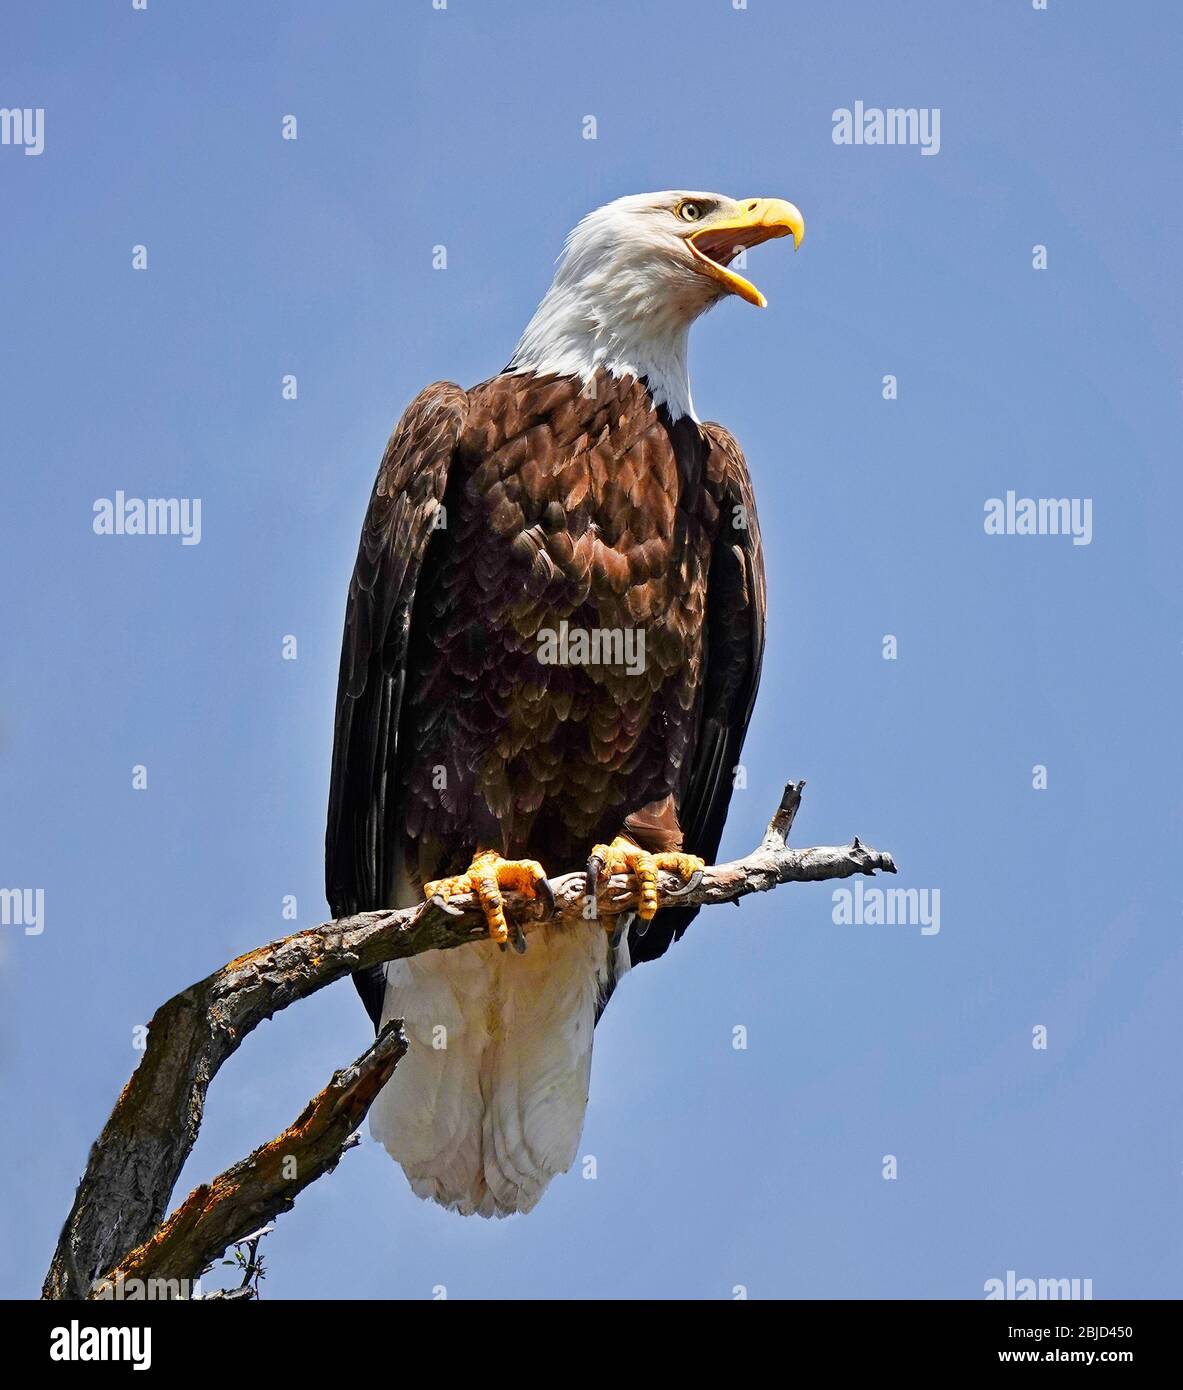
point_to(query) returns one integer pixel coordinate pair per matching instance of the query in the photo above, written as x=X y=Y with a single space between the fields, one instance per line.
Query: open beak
x=716 y=243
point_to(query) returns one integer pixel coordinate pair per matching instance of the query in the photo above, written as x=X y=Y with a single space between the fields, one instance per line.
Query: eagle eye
x=690 y=211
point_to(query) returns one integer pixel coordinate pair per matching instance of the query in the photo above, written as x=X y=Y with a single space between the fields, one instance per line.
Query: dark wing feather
x=361 y=840
x=734 y=638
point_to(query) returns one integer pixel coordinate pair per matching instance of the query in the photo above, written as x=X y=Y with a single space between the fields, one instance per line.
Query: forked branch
x=216 y=1215
x=116 y=1223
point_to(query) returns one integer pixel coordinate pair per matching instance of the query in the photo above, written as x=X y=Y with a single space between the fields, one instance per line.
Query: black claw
x=592 y=873
x=445 y=906
x=517 y=938
x=545 y=890
x=688 y=887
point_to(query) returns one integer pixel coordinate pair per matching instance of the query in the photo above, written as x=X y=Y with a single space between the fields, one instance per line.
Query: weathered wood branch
x=216 y=1215
x=133 y=1166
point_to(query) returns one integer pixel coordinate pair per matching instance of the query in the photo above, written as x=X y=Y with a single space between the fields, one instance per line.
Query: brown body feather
x=498 y=515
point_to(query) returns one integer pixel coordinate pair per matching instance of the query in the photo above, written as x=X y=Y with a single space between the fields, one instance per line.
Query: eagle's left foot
x=623 y=857
x=485 y=877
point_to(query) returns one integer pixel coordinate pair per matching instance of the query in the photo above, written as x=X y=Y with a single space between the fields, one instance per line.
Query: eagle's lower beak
x=717 y=242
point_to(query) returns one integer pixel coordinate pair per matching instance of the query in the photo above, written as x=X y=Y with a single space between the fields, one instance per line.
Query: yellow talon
x=624 y=857
x=485 y=877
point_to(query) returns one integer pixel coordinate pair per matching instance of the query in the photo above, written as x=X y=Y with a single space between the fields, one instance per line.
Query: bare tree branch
x=134 y=1165
x=216 y=1215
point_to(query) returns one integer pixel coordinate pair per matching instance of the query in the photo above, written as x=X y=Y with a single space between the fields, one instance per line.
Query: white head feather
x=624 y=296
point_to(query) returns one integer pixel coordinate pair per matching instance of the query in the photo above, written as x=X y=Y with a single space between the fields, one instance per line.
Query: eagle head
x=679 y=245
x=634 y=276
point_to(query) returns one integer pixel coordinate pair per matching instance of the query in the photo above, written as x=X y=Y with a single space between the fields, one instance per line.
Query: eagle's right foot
x=485 y=877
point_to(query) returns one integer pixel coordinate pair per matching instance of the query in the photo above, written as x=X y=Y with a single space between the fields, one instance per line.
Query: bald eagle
x=552 y=644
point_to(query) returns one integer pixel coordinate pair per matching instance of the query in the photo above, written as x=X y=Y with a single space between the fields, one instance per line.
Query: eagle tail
x=488 y=1104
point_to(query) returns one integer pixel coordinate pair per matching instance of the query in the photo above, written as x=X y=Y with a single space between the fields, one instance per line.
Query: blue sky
x=463 y=127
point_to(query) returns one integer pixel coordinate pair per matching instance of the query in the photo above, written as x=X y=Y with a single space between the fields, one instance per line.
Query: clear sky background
x=1060 y=907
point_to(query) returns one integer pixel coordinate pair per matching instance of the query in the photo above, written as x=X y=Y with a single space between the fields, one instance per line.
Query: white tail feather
x=488 y=1104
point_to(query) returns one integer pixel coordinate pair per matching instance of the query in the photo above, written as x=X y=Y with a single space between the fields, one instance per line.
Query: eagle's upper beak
x=719 y=240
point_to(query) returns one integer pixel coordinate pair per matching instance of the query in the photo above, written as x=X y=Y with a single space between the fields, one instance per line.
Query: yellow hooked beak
x=720 y=240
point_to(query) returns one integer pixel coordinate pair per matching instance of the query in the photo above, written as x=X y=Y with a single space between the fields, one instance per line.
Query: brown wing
x=360 y=840
x=734 y=644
